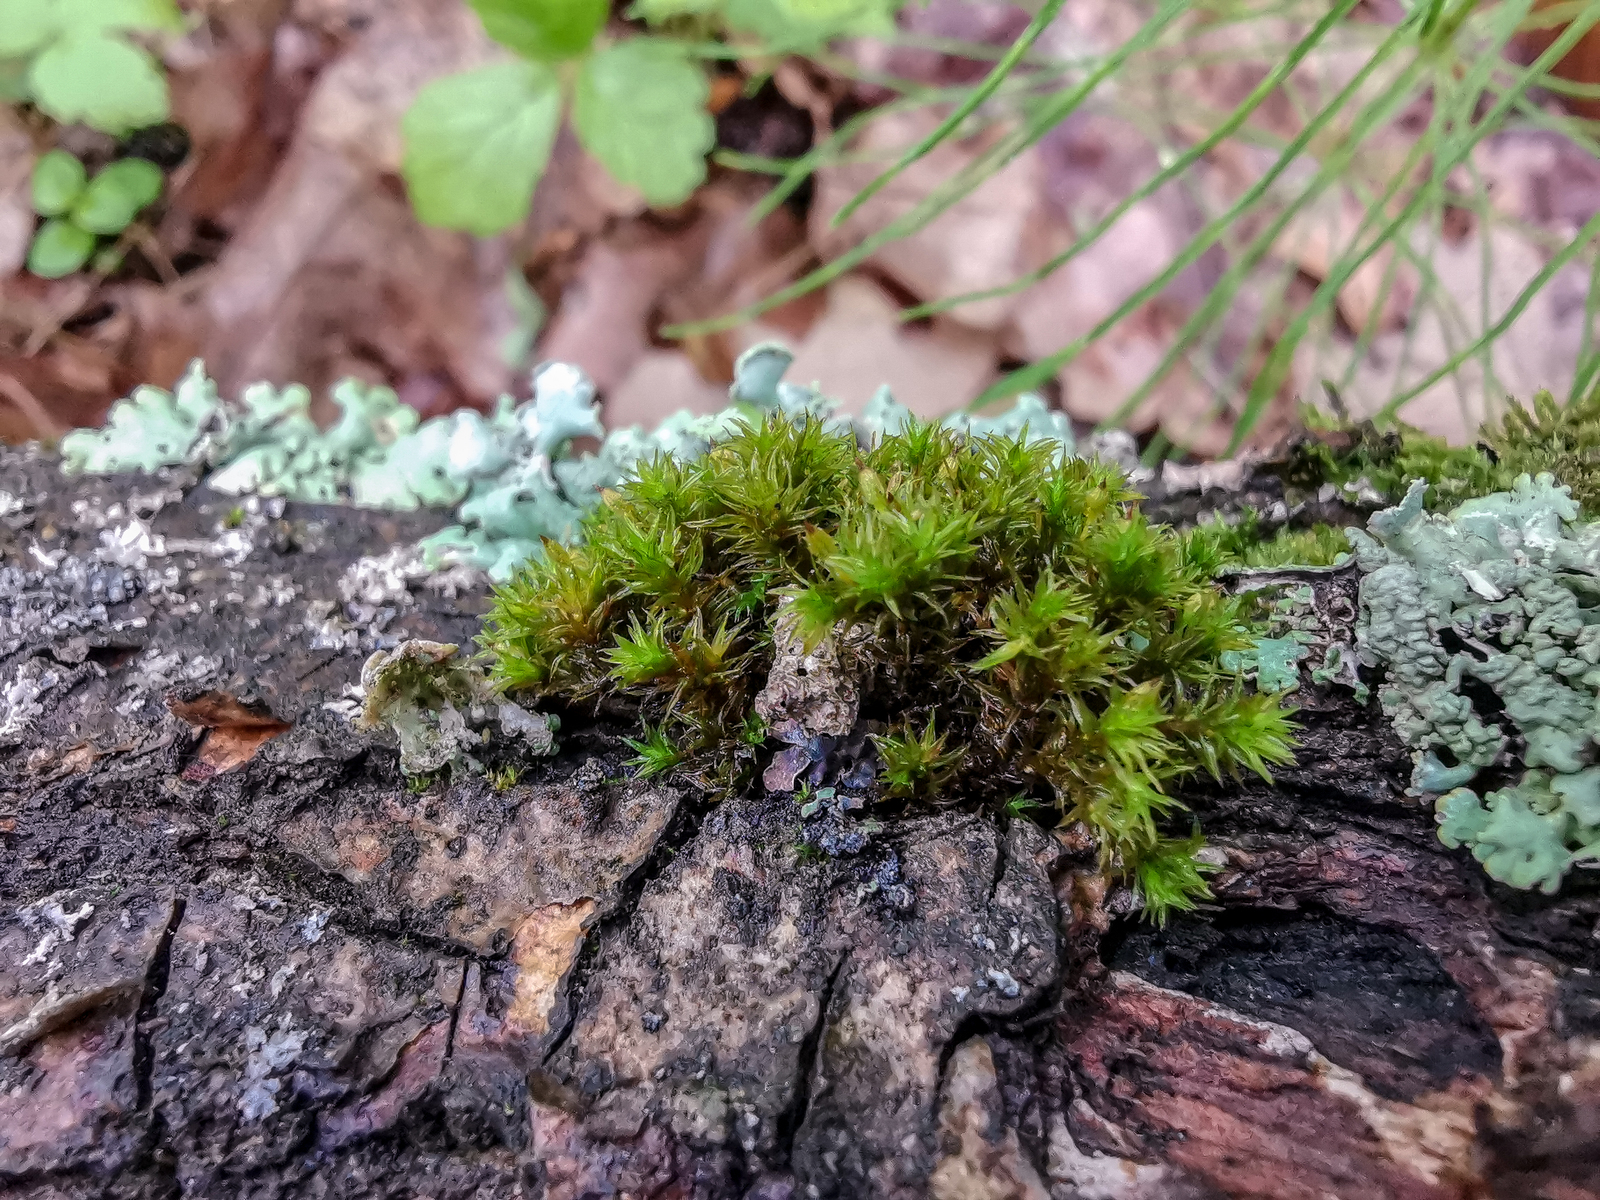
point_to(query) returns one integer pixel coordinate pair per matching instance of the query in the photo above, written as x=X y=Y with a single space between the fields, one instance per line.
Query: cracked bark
x=299 y=977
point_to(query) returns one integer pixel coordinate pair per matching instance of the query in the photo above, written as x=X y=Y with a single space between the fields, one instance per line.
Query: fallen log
x=244 y=955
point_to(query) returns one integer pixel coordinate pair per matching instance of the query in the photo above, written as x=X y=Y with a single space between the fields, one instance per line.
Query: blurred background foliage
x=1183 y=218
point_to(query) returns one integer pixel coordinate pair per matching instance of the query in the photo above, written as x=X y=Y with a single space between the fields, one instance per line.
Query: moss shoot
x=1563 y=440
x=1013 y=625
x=1246 y=543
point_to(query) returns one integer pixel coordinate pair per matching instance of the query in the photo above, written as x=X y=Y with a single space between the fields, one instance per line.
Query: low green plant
x=654 y=754
x=1563 y=439
x=916 y=764
x=82 y=60
x=504 y=779
x=80 y=211
x=1071 y=650
x=1388 y=460
x=478 y=142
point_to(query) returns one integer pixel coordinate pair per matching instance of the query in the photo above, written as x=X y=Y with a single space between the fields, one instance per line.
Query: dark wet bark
x=241 y=957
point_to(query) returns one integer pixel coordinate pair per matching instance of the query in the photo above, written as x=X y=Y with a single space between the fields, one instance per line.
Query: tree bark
x=241 y=956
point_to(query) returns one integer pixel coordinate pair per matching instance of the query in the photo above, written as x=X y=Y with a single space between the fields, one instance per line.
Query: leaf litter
x=286 y=248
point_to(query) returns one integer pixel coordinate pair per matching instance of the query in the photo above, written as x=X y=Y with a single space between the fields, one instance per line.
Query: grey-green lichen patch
x=1288 y=630
x=151 y=429
x=1274 y=662
x=438 y=707
x=1501 y=598
x=510 y=476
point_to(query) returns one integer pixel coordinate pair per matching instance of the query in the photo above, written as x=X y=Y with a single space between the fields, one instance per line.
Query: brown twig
x=43 y=423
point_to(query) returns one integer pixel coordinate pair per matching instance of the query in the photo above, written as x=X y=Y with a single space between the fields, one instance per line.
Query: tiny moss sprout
x=916 y=764
x=1014 y=626
x=654 y=753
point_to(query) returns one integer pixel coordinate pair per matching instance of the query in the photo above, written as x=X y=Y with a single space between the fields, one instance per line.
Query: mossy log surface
x=241 y=957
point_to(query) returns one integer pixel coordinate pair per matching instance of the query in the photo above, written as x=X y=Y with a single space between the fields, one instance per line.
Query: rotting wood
x=307 y=970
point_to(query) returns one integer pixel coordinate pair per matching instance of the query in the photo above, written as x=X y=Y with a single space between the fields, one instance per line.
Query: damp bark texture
x=242 y=956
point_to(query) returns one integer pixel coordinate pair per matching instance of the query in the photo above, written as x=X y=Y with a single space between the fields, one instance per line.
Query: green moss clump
x=1563 y=440
x=1244 y=543
x=1009 y=622
x=1389 y=461
x=1548 y=437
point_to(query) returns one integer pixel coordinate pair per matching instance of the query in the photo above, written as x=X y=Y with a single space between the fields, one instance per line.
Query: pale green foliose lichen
x=1501 y=596
x=1274 y=662
x=510 y=476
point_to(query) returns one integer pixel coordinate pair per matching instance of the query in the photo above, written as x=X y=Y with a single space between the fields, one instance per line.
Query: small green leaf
x=117 y=194
x=799 y=24
x=103 y=16
x=656 y=11
x=58 y=181
x=477 y=143
x=59 y=249
x=549 y=29
x=101 y=81
x=25 y=25
x=640 y=108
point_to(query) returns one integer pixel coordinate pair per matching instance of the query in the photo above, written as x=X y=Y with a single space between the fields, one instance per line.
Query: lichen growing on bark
x=1003 y=619
x=511 y=476
x=437 y=705
x=1486 y=622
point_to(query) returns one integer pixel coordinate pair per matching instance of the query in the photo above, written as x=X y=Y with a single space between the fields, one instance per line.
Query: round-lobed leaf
x=59 y=249
x=546 y=29
x=640 y=108
x=101 y=16
x=58 y=181
x=101 y=81
x=25 y=25
x=116 y=196
x=477 y=143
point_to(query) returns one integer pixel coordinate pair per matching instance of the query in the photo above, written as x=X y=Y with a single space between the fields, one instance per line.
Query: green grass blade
x=1586 y=235
x=1035 y=374
x=1456 y=150
x=1182 y=163
x=1376 y=112
x=960 y=113
x=1588 y=359
x=966 y=182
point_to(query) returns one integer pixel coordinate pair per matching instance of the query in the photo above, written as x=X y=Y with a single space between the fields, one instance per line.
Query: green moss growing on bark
x=1562 y=440
x=999 y=614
